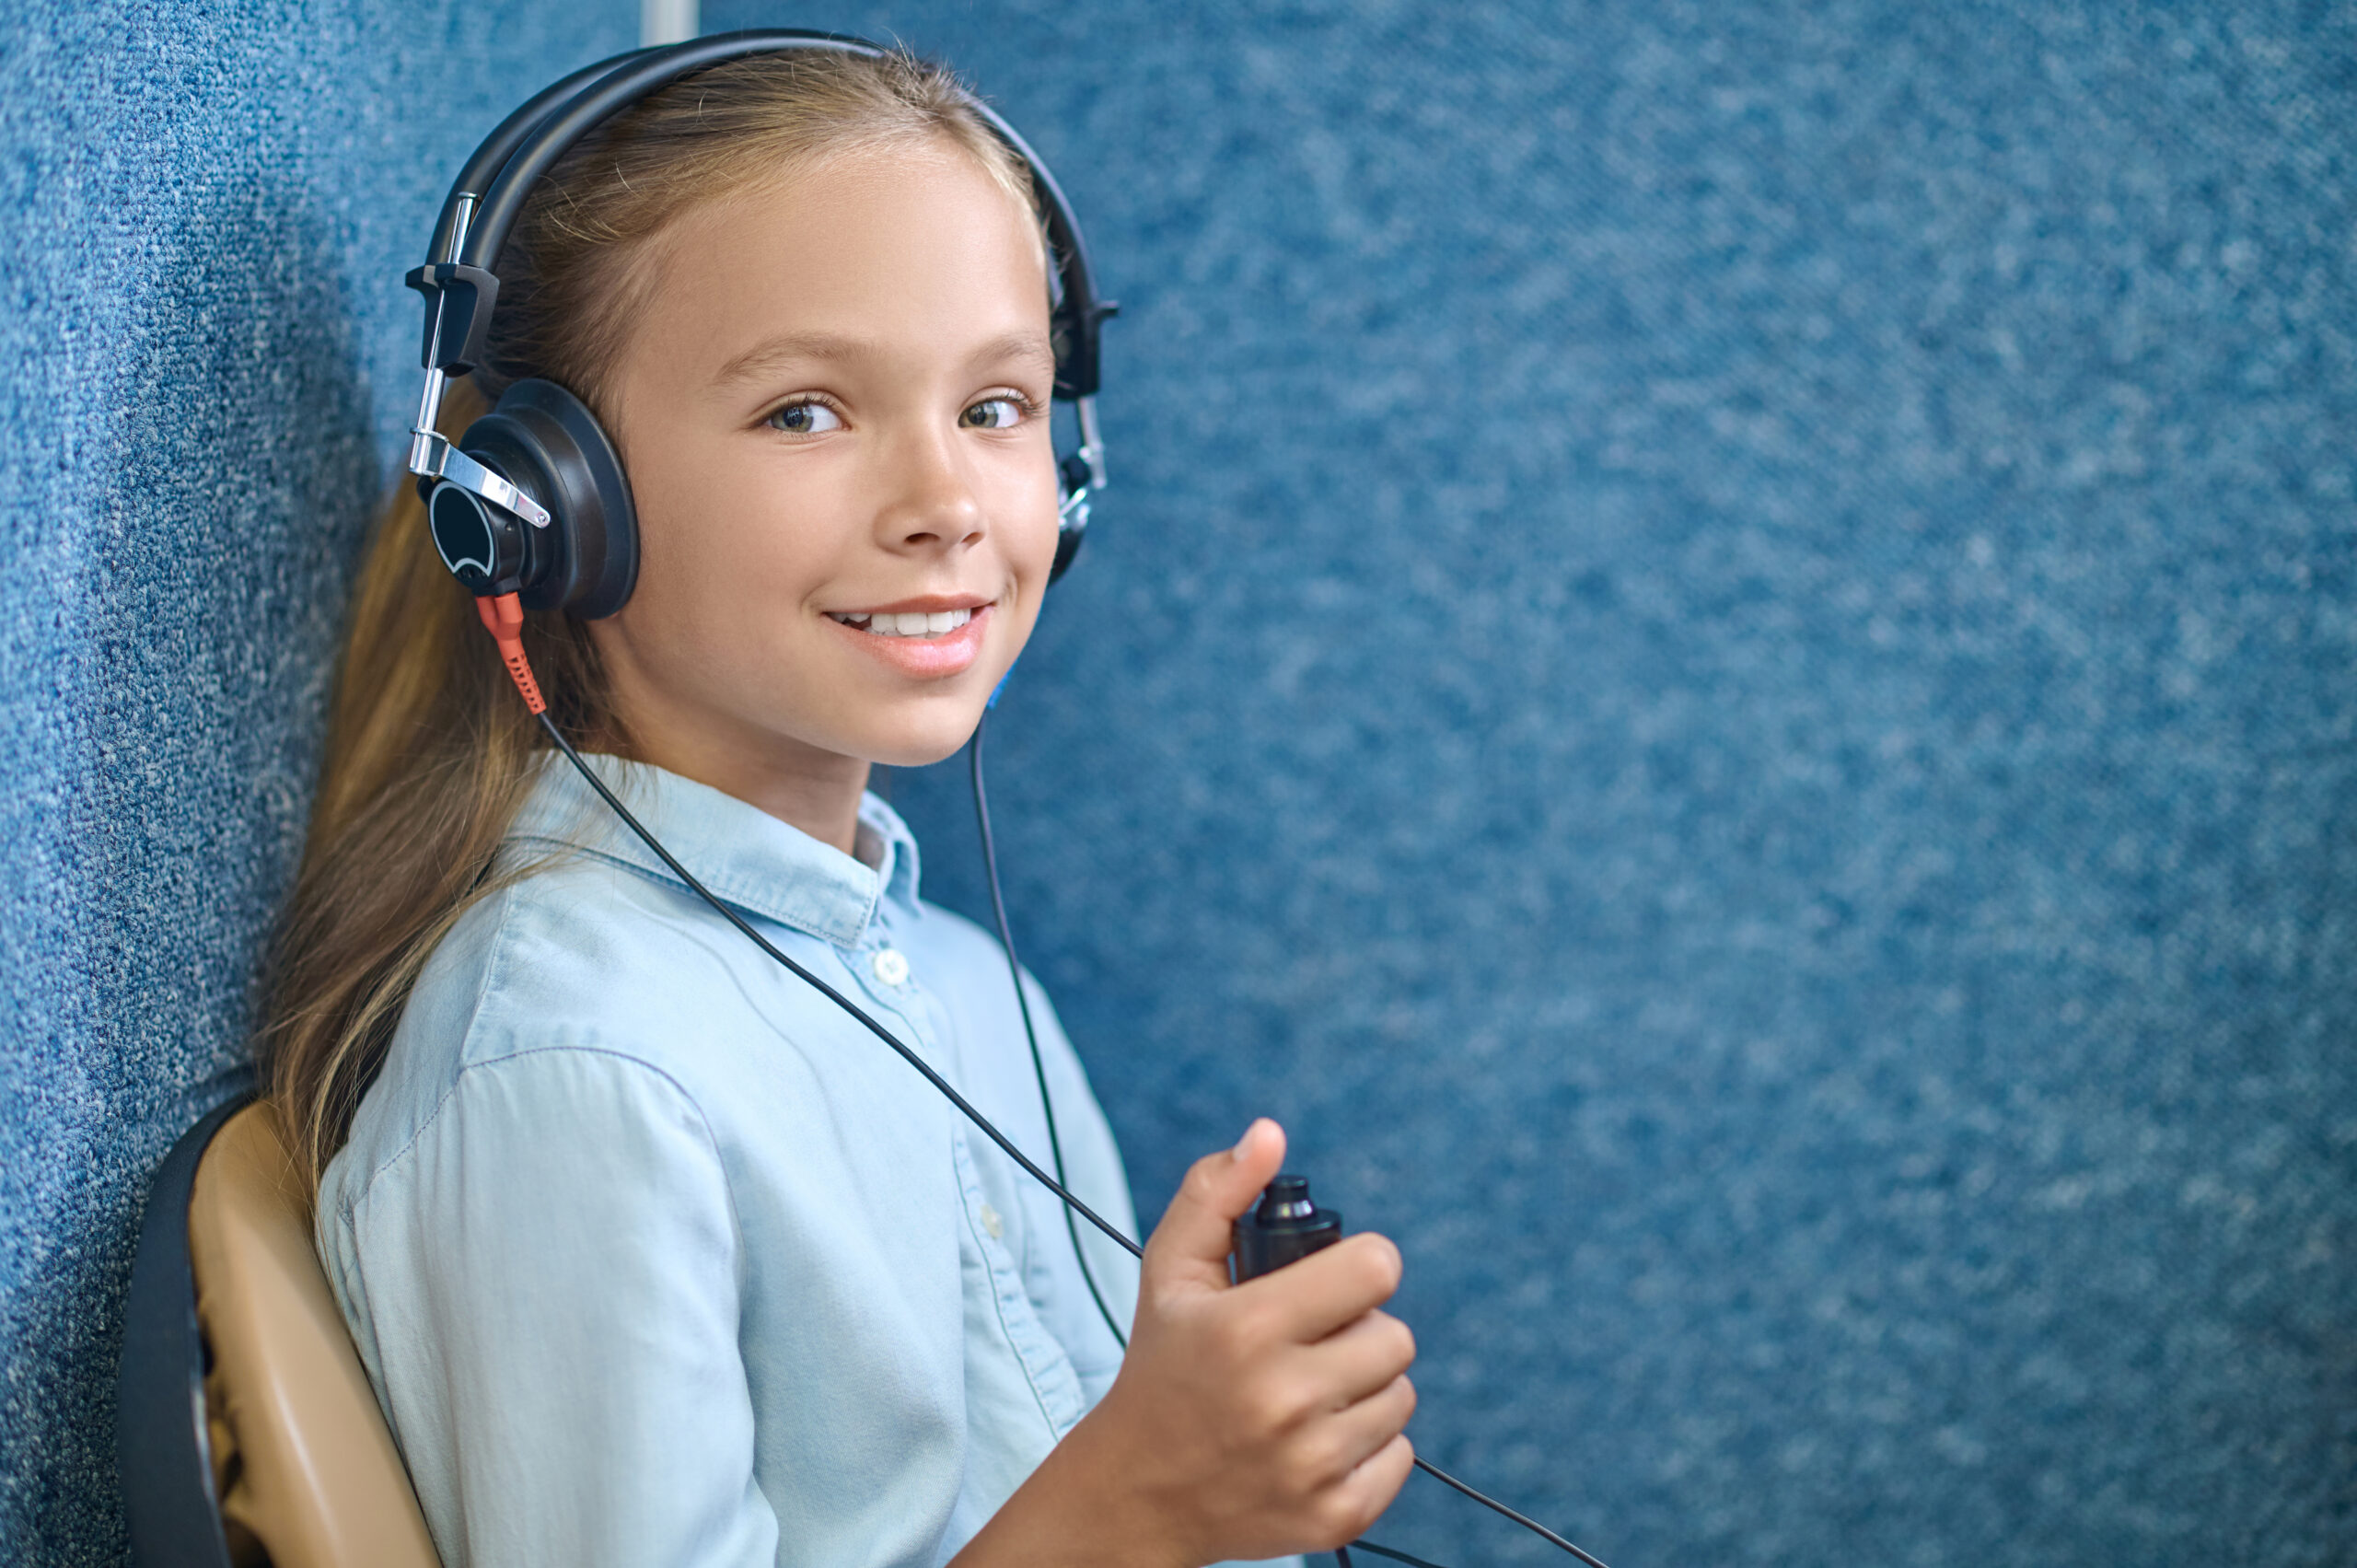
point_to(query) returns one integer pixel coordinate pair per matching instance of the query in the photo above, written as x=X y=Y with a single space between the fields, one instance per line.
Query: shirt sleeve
x=549 y=1274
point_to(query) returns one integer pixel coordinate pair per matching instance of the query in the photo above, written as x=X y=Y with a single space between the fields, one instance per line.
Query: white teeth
x=916 y=623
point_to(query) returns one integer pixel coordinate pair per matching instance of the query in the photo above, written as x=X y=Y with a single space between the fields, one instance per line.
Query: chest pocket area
x=999 y=1317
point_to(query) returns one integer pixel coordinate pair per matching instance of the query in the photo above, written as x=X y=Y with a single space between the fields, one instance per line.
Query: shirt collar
x=748 y=858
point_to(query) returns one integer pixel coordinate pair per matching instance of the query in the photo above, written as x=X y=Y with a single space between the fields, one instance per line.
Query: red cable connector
x=504 y=619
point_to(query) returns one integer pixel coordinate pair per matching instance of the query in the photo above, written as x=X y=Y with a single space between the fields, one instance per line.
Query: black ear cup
x=1068 y=537
x=546 y=442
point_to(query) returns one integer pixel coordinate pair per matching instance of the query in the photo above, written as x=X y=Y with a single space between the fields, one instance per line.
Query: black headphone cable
x=523 y=676
x=1031 y=1035
x=1047 y=1102
x=1055 y=1149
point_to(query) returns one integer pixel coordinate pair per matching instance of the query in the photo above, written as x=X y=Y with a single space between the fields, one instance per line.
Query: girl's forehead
x=924 y=183
x=910 y=245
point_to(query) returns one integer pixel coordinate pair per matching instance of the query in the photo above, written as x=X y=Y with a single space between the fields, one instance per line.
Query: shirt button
x=891 y=965
x=992 y=1223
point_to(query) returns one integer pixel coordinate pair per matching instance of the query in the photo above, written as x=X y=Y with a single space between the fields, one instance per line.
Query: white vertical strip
x=668 y=21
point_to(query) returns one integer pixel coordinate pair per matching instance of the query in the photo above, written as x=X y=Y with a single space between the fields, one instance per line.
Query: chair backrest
x=284 y=1458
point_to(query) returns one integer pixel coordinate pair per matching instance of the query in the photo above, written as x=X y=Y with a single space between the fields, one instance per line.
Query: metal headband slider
x=457 y=317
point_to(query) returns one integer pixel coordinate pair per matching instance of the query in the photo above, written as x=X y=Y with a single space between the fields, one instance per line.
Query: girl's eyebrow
x=788 y=348
x=1023 y=345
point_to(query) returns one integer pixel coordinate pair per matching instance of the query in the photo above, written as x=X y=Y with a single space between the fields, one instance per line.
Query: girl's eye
x=995 y=414
x=805 y=418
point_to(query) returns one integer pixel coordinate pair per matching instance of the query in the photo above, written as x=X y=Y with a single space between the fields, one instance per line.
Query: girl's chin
x=923 y=729
x=914 y=751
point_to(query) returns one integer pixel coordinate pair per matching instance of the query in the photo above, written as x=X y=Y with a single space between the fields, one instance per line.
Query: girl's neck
x=822 y=802
x=815 y=791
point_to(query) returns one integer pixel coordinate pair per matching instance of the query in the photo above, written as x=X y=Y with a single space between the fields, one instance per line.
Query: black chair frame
x=163 y=1454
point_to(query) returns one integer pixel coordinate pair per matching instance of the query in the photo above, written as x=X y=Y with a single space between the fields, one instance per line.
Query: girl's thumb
x=1194 y=1238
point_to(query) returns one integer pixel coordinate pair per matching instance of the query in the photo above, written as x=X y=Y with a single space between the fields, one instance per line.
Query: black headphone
x=532 y=499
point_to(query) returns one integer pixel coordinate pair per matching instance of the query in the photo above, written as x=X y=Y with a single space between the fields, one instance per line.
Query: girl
x=652 y=1255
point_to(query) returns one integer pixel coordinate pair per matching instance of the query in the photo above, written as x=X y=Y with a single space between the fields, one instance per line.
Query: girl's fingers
x=1355 y=1503
x=1352 y=1436
x=1363 y=1360
x=1379 y=1477
x=1329 y=1289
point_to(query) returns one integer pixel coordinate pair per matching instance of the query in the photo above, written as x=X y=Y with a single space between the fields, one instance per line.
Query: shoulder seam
x=497 y=947
x=711 y=1141
x=496 y=961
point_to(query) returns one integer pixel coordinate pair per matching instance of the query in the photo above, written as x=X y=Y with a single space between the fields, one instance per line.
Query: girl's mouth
x=927 y=644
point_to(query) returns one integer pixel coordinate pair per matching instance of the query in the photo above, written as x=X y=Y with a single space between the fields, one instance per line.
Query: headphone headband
x=635 y=75
x=460 y=281
x=485 y=162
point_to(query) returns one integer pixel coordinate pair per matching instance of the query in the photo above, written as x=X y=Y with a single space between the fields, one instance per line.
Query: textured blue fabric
x=207 y=355
x=1722 y=663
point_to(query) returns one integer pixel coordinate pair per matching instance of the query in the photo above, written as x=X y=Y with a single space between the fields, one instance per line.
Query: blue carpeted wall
x=208 y=355
x=1724 y=664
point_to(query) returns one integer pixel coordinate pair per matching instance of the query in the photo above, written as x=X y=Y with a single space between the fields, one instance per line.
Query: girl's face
x=833 y=407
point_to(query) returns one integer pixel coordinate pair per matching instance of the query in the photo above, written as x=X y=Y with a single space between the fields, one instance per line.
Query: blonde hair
x=430 y=753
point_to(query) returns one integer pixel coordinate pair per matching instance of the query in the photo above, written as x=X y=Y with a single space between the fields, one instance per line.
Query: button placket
x=884 y=972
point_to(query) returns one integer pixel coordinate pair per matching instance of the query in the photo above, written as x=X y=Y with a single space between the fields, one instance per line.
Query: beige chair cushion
x=307 y=1474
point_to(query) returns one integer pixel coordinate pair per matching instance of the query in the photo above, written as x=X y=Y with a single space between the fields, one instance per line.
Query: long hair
x=430 y=754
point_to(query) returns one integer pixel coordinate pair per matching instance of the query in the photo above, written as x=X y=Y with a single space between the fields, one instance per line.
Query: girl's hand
x=1248 y=1420
x=1255 y=1420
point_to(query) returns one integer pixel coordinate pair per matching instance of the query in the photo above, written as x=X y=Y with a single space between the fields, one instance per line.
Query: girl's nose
x=929 y=503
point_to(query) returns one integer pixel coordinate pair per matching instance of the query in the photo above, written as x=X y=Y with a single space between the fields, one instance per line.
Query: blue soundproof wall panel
x=1720 y=665
x=208 y=355
x=1724 y=662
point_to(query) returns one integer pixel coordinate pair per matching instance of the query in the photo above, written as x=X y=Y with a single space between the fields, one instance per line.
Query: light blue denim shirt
x=657 y=1257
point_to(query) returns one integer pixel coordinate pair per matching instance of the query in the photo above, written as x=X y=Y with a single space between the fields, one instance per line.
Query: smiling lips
x=923 y=642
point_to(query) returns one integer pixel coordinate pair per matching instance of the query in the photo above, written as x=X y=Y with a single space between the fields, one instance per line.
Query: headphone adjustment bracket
x=1092 y=440
x=430 y=457
x=1082 y=473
